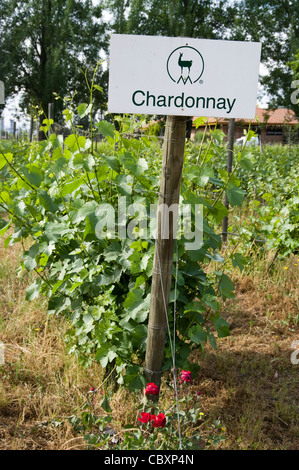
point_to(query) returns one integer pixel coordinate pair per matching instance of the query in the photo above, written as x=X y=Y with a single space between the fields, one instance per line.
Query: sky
x=13 y=112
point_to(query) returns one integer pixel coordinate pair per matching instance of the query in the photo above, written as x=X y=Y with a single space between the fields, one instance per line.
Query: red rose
x=92 y=389
x=159 y=421
x=186 y=376
x=146 y=417
x=151 y=389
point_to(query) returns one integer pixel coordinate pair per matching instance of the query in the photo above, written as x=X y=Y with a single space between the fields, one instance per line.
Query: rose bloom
x=151 y=389
x=186 y=376
x=146 y=417
x=159 y=421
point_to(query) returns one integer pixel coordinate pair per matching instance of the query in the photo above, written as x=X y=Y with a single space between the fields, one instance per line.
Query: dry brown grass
x=41 y=385
x=250 y=383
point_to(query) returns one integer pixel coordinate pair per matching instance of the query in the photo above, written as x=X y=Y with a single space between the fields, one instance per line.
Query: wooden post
x=31 y=129
x=170 y=185
x=50 y=114
x=230 y=150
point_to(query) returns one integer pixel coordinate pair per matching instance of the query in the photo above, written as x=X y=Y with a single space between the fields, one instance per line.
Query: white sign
x=182 y=76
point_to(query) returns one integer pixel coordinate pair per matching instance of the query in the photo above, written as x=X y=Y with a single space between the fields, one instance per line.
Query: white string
x=172 y=352
x=174 y=308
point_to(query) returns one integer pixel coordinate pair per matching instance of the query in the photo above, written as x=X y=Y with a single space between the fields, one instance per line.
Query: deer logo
x=184 y=64
x=183 y=71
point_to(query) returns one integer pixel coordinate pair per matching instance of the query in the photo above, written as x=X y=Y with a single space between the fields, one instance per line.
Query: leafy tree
x=118 y=8
x=46 y=45
x=275 y=24
x=190 y=18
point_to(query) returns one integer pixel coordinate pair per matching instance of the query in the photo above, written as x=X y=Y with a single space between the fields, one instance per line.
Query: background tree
x=191 y=18
x=118 y=9
x=46 y=45
x=275 y=24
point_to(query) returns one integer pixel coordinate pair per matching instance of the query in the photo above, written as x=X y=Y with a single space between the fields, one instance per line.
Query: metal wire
x=172 y=350
x=175 y=288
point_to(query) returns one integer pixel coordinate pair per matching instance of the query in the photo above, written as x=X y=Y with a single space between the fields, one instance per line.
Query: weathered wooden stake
x=170 y=185
x=31 y=129
x=230 y=152
x=50 y=115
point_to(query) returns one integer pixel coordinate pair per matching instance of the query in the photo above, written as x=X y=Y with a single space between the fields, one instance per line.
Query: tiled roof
x=276 y=117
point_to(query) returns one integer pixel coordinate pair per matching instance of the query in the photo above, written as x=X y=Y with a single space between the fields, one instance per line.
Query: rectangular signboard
x=182 y=76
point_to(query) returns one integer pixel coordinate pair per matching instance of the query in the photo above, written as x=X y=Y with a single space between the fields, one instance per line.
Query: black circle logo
x=185 y=64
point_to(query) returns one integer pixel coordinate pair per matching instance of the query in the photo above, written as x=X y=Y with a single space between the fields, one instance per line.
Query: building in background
x=279 y=126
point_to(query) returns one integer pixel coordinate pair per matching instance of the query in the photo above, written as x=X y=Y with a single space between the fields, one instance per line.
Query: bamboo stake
x=50 y=115
x=31 y=129
x=230 y=153
x=172 y=165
